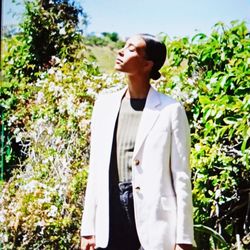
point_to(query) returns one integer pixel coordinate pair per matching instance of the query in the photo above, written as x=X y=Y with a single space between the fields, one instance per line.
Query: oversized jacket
x=160 y=173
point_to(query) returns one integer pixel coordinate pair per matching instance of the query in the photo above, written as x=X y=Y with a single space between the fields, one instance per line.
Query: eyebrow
x=131 y=44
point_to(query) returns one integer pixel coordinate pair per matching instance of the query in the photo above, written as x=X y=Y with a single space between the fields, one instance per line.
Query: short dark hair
x=156 y=52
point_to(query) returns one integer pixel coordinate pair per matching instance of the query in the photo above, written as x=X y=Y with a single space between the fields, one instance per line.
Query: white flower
x=50 y=130
x=70 y=104
x=51 y=71
x=31 y=186
x=82 y=74
x=40 y=98
x=52 y=86
x=190 y=81
x=12 y=119
x=213 y=80
x=53 y=211
x=55 y=59
x=2 y=216
x=44 y=200
x=175 y=79
x=217 y=193
x=40 y=223
x=83 y=123
x=62 y=31
x=91 y=92
x=58 y=140
x=197 y=147
x=61 y=108
x=4 y=237
x=40 y=82
x=194 y=94
x=58 y=75
x=11 y=61
x=81 y=109
x=56 y=89
x=190 y=100
x=16 y=131
x=19 y=137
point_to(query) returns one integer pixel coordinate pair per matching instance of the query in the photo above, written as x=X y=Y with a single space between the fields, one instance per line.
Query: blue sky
x=173 y=17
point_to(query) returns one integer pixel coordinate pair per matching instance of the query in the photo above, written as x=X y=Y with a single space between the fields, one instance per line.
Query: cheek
x=133 y=62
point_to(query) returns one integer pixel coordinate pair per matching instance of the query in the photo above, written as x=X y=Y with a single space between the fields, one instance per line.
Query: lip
x=118 y=61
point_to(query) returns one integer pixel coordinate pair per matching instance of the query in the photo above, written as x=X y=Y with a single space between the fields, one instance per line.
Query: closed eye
x=130 y=47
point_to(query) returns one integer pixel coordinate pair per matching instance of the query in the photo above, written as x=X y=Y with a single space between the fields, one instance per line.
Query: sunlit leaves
x=218 y=68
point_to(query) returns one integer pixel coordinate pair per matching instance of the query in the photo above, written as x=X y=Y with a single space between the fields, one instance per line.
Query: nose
x=120 y=52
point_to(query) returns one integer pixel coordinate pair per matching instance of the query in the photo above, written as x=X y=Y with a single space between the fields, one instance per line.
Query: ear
x=148 y=65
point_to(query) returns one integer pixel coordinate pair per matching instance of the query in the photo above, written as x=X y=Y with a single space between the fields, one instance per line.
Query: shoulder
x=171 y=107
x=168 y=101
x=106 y=100
x=107 y=95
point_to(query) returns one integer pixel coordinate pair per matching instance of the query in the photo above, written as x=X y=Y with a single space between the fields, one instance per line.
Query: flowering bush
x=42 y=202
x=47 y=112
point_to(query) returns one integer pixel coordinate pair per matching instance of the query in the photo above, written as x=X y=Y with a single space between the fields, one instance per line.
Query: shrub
x=210 y=75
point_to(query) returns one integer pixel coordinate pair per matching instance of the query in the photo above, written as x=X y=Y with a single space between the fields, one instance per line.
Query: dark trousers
x=122 y=234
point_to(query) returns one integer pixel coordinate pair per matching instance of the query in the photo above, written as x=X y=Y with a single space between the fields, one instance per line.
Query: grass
x=105 y=57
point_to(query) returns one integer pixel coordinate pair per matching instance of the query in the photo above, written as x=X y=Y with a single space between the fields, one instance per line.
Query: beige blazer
x=160 y=175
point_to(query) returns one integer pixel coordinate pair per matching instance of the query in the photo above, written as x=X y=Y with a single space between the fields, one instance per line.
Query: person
x=138 y=193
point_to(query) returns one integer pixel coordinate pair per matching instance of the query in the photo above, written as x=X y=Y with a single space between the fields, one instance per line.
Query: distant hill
x=104 y=47
x=105 y=57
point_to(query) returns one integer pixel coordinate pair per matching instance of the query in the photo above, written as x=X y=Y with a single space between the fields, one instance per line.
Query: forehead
x=137 y=41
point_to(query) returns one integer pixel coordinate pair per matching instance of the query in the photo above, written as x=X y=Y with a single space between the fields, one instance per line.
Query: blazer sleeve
x=88 y=217
x=181 y=173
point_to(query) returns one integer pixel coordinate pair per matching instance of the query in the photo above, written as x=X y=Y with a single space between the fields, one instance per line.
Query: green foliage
x=106 y=39
x=111 y=36
x=49 y=30
x=211 y=76
x=214 y=236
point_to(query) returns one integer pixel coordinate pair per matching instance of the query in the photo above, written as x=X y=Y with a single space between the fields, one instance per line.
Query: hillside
x=105 y=57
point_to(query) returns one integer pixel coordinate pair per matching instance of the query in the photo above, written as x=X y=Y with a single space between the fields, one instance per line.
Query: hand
x=87 y=242
x=183 y=247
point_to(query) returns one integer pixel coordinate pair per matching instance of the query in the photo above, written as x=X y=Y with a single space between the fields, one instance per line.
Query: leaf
x=230 y=120
x=204 y=100
x=244 y=144
x=211 y=232
x=199 y=36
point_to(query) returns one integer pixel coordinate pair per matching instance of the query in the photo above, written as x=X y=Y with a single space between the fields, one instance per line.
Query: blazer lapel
x=148 y=119
x=113 y=109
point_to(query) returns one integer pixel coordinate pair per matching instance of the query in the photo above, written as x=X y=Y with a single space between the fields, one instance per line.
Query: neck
x=138 y=87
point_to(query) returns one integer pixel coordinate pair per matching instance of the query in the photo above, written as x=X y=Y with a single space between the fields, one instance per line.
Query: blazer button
x=137 y=189
x=136 y=162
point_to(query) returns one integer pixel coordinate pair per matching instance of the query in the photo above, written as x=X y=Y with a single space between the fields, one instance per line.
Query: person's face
x=132 y=59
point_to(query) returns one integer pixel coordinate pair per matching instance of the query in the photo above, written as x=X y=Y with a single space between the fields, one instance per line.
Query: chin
x=118 y=68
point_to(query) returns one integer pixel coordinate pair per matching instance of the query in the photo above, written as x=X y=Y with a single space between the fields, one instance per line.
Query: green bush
x=211 y=76
x=49 y=30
